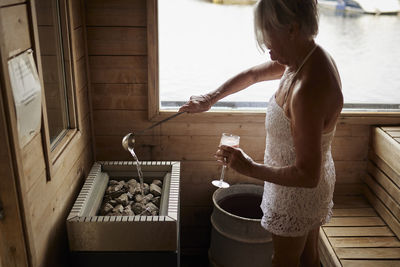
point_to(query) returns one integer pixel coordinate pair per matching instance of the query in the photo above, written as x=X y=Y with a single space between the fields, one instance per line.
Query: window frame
x=53 y=151
x=155 y=114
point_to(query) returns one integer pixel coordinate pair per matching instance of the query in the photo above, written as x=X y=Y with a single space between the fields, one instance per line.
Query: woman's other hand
x=197 y=104
x=235 y=158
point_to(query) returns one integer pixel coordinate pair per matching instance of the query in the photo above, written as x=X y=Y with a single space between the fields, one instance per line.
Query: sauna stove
x=96 y=240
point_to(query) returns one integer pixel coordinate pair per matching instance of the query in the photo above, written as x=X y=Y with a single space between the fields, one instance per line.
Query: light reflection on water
x=203 y=44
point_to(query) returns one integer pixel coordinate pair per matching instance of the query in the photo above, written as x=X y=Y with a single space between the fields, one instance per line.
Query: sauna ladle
x=129 y=140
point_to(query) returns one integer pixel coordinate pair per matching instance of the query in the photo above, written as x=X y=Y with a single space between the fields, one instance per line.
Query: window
x=202 y=44
x=53 y=39
x=54 y=51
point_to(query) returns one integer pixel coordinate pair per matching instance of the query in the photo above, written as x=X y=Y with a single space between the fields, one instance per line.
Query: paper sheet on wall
x=27 y=94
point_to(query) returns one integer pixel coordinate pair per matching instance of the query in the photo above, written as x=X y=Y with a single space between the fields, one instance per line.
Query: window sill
x=346 y=117
x=63 y=144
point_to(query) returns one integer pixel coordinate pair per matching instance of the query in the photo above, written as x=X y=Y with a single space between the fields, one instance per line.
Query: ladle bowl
x=128 y=141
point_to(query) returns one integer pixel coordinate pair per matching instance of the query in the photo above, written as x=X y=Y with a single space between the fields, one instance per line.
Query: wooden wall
x=116 y=32
x=45 y=204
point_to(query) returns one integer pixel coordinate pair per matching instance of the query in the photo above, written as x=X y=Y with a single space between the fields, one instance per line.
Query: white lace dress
x=292 y=211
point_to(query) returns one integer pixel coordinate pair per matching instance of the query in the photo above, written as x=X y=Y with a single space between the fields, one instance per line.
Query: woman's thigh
x=310 y=256
x=287 y=250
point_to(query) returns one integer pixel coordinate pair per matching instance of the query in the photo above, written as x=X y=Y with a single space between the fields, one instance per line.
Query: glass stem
x=221 y=179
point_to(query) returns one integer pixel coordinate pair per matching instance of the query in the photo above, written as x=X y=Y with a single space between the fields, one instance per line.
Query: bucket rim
x=228 y=213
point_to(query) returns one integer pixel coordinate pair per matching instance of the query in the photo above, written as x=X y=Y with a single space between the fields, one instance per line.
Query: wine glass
x=227 y=140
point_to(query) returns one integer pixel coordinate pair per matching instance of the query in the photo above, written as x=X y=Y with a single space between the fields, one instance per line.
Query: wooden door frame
x=13 y=250
x=15 y=245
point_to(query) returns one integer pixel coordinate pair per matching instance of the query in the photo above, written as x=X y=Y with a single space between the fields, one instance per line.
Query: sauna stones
x=155 y=190
x=124 y=198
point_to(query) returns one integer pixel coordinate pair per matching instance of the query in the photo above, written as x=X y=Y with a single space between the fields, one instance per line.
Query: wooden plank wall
x=116 y=32
x=46 y=204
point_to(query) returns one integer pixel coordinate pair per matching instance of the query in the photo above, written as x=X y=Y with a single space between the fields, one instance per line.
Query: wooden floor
x=358 y=236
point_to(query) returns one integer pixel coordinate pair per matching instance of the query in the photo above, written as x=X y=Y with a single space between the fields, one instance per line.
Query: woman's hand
x=197 y=104
x=235 y=158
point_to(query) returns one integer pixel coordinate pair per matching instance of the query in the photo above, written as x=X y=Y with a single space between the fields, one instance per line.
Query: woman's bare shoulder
x=320 y=86
x=321 y=76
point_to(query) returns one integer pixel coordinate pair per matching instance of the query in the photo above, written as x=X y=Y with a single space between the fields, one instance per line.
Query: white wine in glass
x=227 y=140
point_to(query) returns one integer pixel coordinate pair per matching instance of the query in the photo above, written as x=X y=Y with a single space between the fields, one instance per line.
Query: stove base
x=125 y=259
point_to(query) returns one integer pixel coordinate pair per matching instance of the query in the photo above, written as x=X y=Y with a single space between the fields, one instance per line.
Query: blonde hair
x=280 y=14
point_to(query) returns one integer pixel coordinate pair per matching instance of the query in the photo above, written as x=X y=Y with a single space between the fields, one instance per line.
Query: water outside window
x=202 y=44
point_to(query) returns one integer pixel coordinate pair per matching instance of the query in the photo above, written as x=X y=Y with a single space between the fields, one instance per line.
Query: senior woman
x=301 y=116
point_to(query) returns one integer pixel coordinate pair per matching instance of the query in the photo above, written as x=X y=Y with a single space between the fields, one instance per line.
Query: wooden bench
x=365 y=229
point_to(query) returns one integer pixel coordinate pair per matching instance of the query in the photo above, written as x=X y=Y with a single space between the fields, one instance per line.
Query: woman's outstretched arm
x=263 y=72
